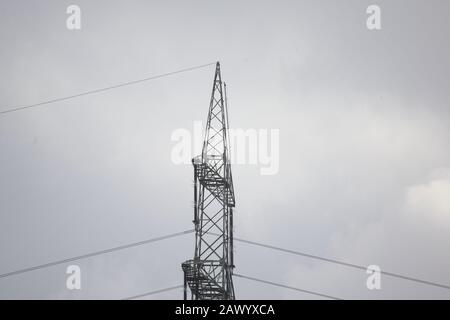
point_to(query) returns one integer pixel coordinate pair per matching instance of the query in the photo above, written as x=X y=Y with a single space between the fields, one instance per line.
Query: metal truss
x=209 y=274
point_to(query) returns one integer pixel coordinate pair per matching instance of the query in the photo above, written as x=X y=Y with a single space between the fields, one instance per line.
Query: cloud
x=409 y=238
x=362 y=121
x=430 y=201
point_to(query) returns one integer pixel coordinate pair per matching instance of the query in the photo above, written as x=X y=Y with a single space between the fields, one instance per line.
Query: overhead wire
x=19 y=108
x=342 y=263
x=92 y=254
x=153 y=292
x=286 y=286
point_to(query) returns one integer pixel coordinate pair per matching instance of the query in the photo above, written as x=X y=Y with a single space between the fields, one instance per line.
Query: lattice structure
x=209 y=274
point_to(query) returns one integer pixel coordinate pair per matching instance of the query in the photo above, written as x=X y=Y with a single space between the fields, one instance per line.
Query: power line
x=14 y=109
x=97 y=253
x=240 y=276
x=347 y=264
x=307 y=255
x=286 y=286
x=153 y=292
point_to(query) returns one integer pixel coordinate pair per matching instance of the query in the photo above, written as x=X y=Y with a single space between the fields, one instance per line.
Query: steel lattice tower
x=209 y=273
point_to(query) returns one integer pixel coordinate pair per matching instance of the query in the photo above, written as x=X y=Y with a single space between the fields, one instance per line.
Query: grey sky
x=364 y=131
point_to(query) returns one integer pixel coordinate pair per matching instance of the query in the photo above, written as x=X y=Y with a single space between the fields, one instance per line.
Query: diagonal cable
x=346 y=264
x=286 y=286
x=153 y=292
x=93 y=254
x=18 y=108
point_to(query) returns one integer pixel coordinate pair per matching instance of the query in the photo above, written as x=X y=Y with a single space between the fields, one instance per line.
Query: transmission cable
x=19 y=108
x=97 y=253
x=286 y=286
x=347 y=264
x=153 y=292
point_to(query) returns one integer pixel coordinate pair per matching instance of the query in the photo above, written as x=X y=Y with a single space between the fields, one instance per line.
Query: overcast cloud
x=364 y=163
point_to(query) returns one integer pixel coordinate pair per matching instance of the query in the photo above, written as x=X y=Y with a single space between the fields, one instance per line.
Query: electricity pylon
x=209 y=273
